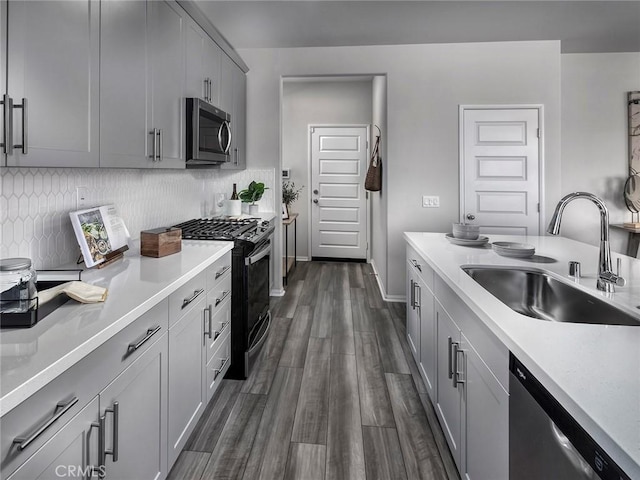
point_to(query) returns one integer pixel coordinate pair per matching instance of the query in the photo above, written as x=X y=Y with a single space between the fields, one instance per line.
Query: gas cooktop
x=224 y=229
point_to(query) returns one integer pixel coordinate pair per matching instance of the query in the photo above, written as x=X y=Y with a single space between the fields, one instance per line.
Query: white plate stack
x=514 y=250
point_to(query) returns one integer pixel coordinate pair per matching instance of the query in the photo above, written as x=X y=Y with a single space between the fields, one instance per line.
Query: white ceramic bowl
x=465 y=231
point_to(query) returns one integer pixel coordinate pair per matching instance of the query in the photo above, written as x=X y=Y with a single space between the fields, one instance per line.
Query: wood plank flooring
x=335 y=395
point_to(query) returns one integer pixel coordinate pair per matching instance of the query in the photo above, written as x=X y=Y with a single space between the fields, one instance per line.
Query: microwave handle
x=226 y=125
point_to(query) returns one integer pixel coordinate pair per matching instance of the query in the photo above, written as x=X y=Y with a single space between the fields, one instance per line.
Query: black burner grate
x=215 y=229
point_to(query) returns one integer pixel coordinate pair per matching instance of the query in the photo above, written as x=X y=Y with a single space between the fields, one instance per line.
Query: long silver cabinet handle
x=412 y=296
x=449 y=351
x=456 y=373
x=7 y=103
x=222 y=271
x=150 y=333
x=115 y=410
x=154 y=150
x=237 y=160
x=195 y=295
x=60 y=410
x=205 y=88
x=416 y=286
x=99 y=470
x=23 y=106
x=221 y=299
x=159 y=153
x=217 y=333
x=208 y=333
x=219 y=370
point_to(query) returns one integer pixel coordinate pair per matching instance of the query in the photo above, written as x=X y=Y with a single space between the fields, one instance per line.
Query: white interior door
x=500 y=169
x=338 y=209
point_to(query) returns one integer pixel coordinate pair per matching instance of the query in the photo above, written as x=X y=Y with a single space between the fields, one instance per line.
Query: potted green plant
x=290 y=193
x=252 y=194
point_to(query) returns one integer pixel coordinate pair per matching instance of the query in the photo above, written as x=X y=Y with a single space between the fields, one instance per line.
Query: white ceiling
x=582 y=26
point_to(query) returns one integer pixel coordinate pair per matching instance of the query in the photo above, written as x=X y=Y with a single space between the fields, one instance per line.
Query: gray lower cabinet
x=133 y=409
x=186 y=377
x=70 y=453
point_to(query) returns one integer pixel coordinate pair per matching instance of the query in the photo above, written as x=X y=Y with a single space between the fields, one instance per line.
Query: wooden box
x=160 y=242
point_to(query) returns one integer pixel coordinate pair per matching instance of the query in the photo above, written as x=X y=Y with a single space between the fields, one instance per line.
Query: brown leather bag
x=373 y=180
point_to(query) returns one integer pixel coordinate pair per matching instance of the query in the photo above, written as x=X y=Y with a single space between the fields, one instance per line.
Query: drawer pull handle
x=218 y=333
x=60 y=410
x=450 y=353
x=221 y=299
x=102 y=439
x=195 y=295
x=208 y=332
x=219 y=370
x=223 y=271
x=150 y=333
x=99 y=470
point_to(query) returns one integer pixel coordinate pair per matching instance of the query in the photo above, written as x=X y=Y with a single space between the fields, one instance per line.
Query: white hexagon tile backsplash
x=35 y=203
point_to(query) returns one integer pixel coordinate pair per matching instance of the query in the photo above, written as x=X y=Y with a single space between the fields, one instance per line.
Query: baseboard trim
x=383 y=293
x=277 y=293
x=302 y=259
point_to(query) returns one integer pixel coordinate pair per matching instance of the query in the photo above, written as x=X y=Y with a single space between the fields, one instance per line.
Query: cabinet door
x=124 y=85
x=53 y=62
x=238 y=121
x=226 y=84
x=194 y=75
x=428 y=355
x=141 y=395
x=486 y=420
x=167 y=79
x=186 y=377
x=413 y=313
x=211 y=68
x=448 y=404
x=70 y=453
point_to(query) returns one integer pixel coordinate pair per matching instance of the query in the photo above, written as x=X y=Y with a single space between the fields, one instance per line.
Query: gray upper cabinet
x=141 y=91
x=234 y=89
x=203 y=65
x=53 y=63
x=124 y=88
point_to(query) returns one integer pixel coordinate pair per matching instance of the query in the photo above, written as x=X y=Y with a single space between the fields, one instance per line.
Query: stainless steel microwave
x=208 y=134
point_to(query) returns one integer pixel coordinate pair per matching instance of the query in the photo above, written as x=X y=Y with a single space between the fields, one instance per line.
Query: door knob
x=315 y=192
x=315 y=200
x=471 y=216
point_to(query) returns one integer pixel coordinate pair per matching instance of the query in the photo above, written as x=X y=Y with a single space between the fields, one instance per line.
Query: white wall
x=425 y=86
x=322 y=102
x=595 y=155
x=379 y=199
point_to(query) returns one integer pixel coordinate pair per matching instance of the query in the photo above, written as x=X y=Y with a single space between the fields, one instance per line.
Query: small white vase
x=253 y=209
x=234 y=208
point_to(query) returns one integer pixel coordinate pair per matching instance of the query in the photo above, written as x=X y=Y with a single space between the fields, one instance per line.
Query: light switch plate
x=430 y=201
x=82 y=198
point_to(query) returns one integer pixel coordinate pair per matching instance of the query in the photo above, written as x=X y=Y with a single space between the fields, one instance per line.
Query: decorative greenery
x=290 y=193
x=253 y=192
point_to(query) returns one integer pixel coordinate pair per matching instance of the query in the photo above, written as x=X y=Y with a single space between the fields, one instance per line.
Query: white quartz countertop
x=592 y=370
x=32 y=357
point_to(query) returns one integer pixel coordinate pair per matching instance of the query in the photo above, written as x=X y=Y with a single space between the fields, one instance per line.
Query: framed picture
x=285 y=212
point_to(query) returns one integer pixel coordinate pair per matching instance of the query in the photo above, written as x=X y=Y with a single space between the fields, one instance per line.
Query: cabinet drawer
x=183 y=300
x=75 y=388
x=220 y=270
x=220 y=326
x=219 y=294
x=218 y=365
x=420 y=266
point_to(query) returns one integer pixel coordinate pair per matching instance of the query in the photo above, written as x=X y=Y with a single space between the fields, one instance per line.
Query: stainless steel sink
x=539 y=295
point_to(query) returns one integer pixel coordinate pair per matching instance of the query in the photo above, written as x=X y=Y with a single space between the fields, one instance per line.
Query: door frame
x=541 y=162
x=310 y=127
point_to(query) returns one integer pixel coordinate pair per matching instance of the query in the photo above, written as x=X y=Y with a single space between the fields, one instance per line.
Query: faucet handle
x=618 y=266
x=574 y=269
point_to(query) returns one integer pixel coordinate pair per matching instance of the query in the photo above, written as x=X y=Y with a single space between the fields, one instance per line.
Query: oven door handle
x=263 y=252
x=258 y=343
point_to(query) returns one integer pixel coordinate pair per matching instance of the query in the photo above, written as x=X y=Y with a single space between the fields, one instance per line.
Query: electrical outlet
x=82 y=198
x=430 y=201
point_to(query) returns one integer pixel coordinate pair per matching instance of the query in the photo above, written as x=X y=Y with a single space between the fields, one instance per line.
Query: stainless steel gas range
x=250 y=315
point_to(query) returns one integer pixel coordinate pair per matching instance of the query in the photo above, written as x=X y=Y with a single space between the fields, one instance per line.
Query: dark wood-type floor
x=336 y=394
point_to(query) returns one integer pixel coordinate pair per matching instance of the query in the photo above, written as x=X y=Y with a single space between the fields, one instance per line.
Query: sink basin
x=539 y=295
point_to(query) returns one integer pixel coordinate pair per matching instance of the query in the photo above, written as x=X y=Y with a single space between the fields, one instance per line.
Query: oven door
x=257 y=287
x=209 y=133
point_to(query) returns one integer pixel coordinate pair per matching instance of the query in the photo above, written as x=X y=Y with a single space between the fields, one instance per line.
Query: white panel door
x=500 y=170
x=338 y=212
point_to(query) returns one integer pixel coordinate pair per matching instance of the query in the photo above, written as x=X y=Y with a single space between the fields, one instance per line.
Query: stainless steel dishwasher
x=545 y=442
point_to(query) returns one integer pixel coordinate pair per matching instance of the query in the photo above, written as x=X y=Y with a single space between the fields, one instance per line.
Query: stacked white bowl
x=466 y=231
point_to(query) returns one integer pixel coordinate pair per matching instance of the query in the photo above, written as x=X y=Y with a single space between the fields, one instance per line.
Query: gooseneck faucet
x=606 y=278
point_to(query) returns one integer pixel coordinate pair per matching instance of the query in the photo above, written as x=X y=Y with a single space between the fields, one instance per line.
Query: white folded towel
x=80 y=291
